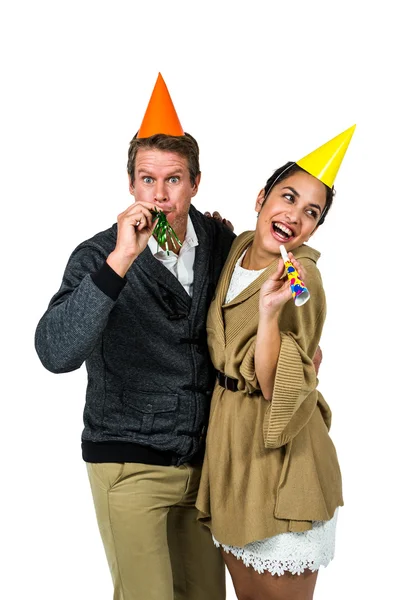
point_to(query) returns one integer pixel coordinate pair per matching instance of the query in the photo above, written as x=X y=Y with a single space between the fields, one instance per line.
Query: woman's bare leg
x=250 y=585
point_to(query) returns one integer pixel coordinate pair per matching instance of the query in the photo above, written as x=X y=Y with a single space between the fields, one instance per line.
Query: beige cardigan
x=270 y=466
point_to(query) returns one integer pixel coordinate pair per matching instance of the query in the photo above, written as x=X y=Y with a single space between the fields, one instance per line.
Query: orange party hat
x=160 y=115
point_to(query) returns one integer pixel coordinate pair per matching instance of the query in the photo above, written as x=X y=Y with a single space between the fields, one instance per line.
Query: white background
x=257 y=83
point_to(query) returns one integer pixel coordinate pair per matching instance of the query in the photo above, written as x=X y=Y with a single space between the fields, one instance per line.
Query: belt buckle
x=226 y=382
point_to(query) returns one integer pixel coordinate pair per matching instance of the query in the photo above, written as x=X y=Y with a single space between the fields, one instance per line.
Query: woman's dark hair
x=286 y=171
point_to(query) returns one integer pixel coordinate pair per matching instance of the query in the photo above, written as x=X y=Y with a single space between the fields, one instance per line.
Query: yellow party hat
x=160 y=115
x=325 y=161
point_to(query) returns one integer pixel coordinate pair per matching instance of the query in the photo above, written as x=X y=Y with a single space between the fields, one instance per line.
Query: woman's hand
x=275 y=292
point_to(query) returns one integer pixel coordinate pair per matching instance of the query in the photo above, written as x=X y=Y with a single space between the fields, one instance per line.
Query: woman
x=271 y=482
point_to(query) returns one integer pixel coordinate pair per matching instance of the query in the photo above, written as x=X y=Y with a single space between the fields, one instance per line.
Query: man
x=137 y=316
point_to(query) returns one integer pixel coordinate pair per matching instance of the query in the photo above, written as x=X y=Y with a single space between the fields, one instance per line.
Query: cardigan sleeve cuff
x=287 y=394
x=108 y=281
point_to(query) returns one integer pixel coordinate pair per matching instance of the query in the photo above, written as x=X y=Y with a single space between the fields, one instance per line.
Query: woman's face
x=291 y=212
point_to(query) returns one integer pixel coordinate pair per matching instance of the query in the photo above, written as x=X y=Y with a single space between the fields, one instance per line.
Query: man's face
x=162 y=178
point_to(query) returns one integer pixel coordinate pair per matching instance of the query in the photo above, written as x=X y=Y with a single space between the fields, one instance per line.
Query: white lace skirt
x=292 y=552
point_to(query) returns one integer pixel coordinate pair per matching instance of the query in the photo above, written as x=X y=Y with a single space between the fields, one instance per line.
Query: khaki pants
x=155 y=547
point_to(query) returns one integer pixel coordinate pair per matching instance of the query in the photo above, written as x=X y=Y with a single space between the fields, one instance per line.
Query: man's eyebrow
x=178 y=171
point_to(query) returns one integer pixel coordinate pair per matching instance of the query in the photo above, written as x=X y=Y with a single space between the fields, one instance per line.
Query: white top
x=180 y=265
x=240 y=279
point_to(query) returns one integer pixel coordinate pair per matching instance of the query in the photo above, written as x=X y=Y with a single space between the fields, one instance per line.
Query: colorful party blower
x=299 y=291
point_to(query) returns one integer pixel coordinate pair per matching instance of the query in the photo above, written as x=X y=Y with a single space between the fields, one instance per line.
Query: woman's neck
x=255 y=260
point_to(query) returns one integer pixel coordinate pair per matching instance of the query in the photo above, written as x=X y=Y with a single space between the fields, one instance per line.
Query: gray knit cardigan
x=143 y=340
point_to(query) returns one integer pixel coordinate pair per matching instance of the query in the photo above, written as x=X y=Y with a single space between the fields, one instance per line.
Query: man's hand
x=317 y=359
x=135 y=226
x=218 y=217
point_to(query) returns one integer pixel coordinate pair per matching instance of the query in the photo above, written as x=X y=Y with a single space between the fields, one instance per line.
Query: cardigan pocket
x=148 y=412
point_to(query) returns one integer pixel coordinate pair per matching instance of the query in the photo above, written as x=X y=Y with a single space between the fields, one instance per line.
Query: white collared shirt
x=181 y=265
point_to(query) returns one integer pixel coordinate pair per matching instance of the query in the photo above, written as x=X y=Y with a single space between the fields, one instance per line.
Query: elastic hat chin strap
x=277 y=179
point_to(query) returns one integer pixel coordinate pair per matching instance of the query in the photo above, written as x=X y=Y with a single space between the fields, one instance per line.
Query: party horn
x=162 y=229
x=299 y=291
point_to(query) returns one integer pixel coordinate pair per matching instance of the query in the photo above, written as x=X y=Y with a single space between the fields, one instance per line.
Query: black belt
x=229 y=383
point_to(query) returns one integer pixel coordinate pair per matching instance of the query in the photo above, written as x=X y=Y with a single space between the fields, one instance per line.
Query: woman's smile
x=281 y=231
